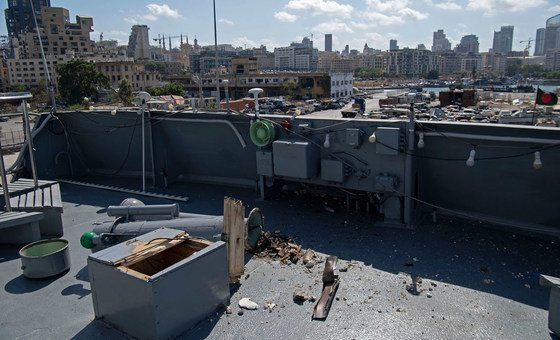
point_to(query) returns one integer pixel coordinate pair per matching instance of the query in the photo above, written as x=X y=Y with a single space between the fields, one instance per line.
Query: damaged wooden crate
x=160 y=284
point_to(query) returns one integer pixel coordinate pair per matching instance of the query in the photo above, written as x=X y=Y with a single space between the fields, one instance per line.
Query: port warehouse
x=502 y=186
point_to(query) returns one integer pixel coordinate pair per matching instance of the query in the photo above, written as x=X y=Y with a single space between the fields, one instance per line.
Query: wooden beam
x=234 y=230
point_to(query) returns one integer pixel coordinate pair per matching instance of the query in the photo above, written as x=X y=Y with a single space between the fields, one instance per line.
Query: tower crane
x=161 y=39
x=528 y=47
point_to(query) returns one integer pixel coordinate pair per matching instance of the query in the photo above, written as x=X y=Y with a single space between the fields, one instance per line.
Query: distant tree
x=290 y=86
x=78 y=79
x=433 y=74
x=18 y=88
x=125 y=92
x=177 y=89
x=159 y=66
x=368 y=73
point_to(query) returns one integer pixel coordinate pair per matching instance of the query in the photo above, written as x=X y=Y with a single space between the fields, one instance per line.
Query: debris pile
x=276 y=246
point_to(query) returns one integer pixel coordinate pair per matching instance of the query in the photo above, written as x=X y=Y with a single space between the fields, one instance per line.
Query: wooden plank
x=30 y=200
x=56 y=197
x=47 y=201
x=39 y=198
x=234 y=230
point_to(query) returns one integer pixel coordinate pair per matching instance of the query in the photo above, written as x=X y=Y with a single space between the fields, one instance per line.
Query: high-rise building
x=539 y=42
x=503 y=40
x=139 y=43
x=19 y=17
x=468 y=44
x=328 y=42
x=59 y=37
x=440 y=42
x=393 y=45
x=552 y=34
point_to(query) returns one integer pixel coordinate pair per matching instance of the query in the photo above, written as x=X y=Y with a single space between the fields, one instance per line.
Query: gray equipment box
x=388 y=138
x=295 y=158
x=332 y=170
x=264 y=163
x=160 y=284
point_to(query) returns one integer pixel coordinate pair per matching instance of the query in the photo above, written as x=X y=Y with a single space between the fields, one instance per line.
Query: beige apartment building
x=134 y=73
x=59 y=36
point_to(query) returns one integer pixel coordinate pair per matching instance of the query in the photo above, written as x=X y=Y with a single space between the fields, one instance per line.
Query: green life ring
x=262 y=133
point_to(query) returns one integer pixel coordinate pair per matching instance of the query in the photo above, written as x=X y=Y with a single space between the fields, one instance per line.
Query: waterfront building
x=440 y=42
x=552 y=60
x=333 y=62
x=19 y=17
x=469 y=44
x=552 y=34
x=139 y=43
x=328 y=42
x=296 y=57
x=539 y=42
x=341 y=84
x=410 y=62
x=503 y=40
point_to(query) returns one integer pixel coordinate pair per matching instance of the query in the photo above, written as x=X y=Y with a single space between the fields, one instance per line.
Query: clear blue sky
x=279 y=22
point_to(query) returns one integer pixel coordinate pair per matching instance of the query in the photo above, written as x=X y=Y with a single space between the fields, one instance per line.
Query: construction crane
x=528 y=47
x=161 y=39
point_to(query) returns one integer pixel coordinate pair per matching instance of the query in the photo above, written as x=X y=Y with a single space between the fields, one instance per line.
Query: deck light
x=421 y=140
x=327 y=143
x=470 y=161
x=537 y=164
x=372 y=139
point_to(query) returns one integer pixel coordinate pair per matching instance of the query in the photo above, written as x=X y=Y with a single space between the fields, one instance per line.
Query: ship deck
x=483 y=281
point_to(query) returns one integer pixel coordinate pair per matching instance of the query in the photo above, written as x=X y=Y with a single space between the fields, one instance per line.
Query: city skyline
x=248 y=24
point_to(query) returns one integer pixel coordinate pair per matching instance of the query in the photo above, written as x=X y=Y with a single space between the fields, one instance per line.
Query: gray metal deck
x=486 y=280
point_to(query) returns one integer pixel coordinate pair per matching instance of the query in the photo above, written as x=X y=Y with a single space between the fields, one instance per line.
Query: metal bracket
x=330 y=285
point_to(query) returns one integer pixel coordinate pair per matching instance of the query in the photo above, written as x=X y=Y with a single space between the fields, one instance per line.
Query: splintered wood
x=234 y=232
x=277 y=246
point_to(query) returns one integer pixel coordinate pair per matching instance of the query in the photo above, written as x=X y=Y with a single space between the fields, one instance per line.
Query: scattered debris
x=413 y=287
x=527 y=286
x=228 y=310
x=299 y=295
x=240 y=312
x=310 y=264
x=308 y=256
x=488 y=281
x=278 y=247
x=429 y=295
x=409 y=264
x=270 y=306
x=329 y=209
x=330 y=285
x=246 y=303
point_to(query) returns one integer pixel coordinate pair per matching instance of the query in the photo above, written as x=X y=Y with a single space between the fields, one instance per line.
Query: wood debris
x=276 y=246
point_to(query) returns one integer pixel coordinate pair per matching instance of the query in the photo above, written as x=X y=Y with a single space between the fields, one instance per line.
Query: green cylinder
x=262 y=133
x=86 y=240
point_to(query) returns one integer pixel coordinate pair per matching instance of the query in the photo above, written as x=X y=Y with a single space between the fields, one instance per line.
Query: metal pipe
x=171 y=210
x=216 y=52
x=5 y=188
x=408 y=175
x=214 y=121
x=143 y=146
x=29 y=142
x=151 y=140
x=492 y=138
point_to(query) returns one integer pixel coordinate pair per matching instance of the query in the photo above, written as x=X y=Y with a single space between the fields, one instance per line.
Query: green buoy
x=87 y=240
x=262 y=133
